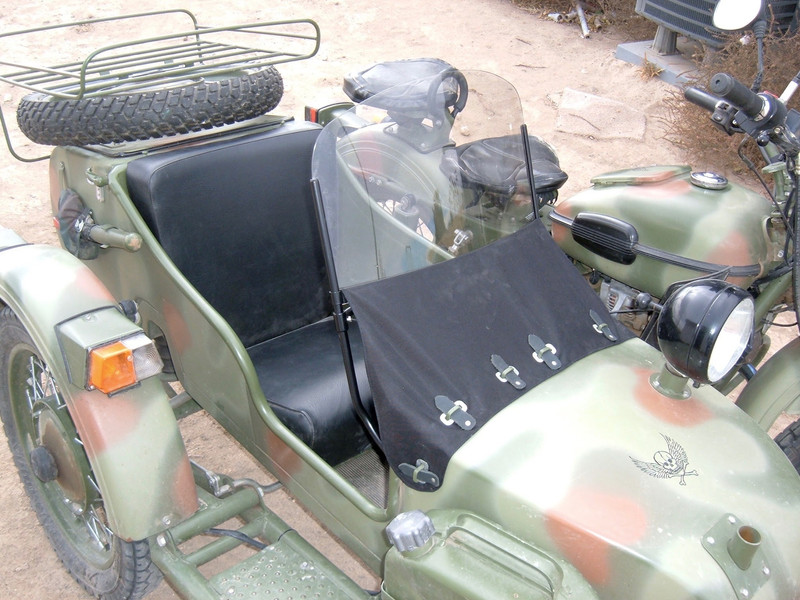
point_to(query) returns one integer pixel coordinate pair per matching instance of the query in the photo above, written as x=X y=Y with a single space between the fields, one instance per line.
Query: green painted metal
x=190 y=52
x=162 y=61
x=132 y=440
x=472 y=558
x=774 y=388
x=592 y=485
x=528 y=474
x=558 y=469
x=724 y=227
x=287 y=568
x=169 y=305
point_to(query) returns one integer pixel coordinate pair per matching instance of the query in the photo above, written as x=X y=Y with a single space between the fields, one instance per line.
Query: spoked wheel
x=789 y=441
x=57 y=476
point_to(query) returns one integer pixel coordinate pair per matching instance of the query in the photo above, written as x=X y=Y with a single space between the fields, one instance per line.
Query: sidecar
x=374 y=311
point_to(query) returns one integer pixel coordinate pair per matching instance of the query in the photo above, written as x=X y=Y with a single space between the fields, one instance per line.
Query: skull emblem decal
x=667 y=464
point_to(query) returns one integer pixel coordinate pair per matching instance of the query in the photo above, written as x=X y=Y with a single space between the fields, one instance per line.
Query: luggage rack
x=160 y=61
x=174 y=59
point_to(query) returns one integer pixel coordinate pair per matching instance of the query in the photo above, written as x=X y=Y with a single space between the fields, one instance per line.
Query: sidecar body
x=395 y=337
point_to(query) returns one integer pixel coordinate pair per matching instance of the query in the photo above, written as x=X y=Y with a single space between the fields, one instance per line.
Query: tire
x=789 y=442
x=153 y=114
x=56 y=475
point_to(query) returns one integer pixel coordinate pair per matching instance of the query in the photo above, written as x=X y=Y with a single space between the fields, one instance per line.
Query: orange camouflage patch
x=87 y=283
x=184 y=494
x=587 y=523
x=102 y=420
x=685 y=413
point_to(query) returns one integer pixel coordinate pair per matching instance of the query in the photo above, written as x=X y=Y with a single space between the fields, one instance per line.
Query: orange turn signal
x=111 y=368
x=122 y=364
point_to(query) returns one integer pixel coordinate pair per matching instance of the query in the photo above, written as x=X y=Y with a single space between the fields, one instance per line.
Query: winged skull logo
x=671 y=463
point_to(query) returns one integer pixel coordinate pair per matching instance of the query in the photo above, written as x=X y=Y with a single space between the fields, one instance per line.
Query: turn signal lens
x=123 y=363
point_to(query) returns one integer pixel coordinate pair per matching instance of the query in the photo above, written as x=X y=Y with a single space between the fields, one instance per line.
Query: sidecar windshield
x=422 y=172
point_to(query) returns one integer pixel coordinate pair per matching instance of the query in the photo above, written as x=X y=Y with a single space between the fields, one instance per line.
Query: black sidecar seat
x=237 y=218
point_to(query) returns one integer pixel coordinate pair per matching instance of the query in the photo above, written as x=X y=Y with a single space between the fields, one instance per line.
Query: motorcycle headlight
x=704 y=328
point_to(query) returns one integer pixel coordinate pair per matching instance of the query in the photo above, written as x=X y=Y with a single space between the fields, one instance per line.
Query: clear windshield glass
x=421 y=173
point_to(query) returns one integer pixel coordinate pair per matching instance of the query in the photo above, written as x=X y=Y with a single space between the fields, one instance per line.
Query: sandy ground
x=550 y=64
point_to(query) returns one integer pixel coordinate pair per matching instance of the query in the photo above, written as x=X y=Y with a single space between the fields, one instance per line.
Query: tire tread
x=146 y=115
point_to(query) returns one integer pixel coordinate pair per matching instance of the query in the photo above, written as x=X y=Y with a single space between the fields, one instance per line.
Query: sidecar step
x=286 y=567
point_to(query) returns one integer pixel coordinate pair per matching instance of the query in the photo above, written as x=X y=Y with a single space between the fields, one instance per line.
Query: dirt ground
x=548 y=63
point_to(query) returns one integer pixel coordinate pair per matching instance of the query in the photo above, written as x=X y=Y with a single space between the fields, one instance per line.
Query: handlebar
x=739 y=95
x=701 y=98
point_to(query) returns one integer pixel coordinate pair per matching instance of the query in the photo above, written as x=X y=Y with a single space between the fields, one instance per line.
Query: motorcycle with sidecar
x=375 y=311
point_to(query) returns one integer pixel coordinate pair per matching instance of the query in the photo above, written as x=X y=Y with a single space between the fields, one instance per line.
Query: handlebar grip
x=702 y=98
x=116 y=238
x=738 y=94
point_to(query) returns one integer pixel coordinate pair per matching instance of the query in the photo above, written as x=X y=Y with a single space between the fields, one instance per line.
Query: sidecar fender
x=775 y=388
x=131 y=438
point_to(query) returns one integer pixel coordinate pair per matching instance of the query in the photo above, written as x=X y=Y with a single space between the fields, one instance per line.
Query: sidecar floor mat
x=302 y=375
x=369 y=474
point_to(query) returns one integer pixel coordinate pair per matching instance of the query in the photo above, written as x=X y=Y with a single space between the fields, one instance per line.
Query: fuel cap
x=410 y=530
x=708 y=180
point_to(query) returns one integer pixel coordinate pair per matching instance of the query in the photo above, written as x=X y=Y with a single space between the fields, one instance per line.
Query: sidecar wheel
x=789 y=441
x=57 y=477
x=150 y=114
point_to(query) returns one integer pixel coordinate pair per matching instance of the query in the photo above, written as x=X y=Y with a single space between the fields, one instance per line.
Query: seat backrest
x=237 y=218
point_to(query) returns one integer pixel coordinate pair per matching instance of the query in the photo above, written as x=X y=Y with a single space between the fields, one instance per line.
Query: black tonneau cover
x=433 y=332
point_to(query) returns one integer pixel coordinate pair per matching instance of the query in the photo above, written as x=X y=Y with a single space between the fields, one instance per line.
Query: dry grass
x=648 y=70
x=618 y=15
x=687 y=125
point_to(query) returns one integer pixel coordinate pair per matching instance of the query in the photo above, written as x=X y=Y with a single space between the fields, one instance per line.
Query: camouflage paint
x=594 y=467
x=532 y=471
x=774 y=388
x=725 y=227
x=131 y=439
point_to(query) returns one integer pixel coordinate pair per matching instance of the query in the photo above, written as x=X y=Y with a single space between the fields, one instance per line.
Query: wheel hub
x=58 y=441
x=43 y=464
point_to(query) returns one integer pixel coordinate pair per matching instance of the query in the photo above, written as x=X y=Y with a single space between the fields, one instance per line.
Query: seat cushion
x=237 y=218
x=303 y=378
x=498 y=165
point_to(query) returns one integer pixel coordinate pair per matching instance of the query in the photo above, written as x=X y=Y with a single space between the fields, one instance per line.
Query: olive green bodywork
x=132 y=438
x=592 y=485
x=728 y=227
x=574 y=466
x=774 y=389
x=209 y=359
x=696 y=232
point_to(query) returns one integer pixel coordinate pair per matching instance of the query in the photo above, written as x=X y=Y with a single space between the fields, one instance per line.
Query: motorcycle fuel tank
x=652 y=226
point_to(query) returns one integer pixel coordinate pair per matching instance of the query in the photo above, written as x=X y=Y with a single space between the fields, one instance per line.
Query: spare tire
x=151 y=114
